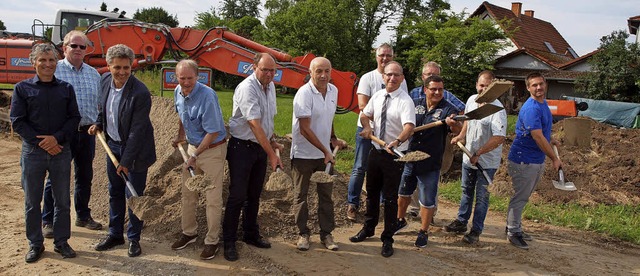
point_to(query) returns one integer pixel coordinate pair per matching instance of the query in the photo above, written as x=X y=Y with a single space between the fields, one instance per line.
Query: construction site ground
x=607 y=173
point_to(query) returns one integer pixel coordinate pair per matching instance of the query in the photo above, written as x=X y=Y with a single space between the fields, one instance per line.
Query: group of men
x=59 y=111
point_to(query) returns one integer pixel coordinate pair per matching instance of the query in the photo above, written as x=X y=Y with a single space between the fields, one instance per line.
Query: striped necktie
x=383 y=116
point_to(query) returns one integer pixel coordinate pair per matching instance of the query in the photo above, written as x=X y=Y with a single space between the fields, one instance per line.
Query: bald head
x=320 y=71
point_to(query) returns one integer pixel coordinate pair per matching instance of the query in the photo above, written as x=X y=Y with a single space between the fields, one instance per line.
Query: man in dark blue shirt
x=45 y=114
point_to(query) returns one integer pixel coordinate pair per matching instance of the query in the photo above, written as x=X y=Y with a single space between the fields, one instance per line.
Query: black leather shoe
x=65 y=250
x=34 y=254
x=387 y=249
x=361 y=236
x=134 y=249
x=230 y=251
x=259 y=242
x=109 y=242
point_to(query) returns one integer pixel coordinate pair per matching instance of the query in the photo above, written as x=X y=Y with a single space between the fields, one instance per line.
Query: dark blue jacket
x=432 y=140
x=136 y=131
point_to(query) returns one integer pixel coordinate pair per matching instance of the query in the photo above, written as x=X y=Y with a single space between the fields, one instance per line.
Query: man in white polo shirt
x=393 y=114
x=314 y=107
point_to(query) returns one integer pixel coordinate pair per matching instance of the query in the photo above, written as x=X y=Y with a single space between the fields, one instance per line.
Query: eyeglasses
x=389 y=75
x=82 y=47
x=385 y=55
x=267 y=70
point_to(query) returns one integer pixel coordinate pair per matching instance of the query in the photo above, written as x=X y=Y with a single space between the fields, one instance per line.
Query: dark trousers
x=118 y=194
x=383 y=176
x=247 y=169
x=83 y=148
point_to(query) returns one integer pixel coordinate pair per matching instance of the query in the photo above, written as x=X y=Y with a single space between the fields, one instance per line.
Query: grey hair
x=120 y=51
x=394 y=62
x=188 y=63
x=432 y=64
x=39 y=49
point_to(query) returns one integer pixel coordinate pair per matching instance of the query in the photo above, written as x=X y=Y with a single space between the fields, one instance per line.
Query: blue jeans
x=425 y=181
x=473 y=182
x=83 y=147
x=35 y=163
x=118 y=193
x=363 y=146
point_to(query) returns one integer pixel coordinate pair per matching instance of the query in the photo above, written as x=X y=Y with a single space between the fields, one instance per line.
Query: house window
x=550 y=47
x=572 y=52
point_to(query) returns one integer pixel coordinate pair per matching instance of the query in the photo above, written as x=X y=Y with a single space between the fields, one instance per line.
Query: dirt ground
x=607 y=173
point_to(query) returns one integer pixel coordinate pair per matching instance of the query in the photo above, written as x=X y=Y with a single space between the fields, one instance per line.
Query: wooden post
x=577 y=132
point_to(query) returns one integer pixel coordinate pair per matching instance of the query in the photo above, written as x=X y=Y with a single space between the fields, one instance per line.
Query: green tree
x=156 y=15
x=207 y=20
x=2 y=27
x=236 y=9
x=103 y=6
x=615 y=71
x=462 y=47
x=247 y=27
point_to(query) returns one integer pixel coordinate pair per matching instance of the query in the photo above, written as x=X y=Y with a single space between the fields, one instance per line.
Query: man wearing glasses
x=425 y=174
x=252 y=142
x=370 y=83
x=393 y=115
x=86 y=82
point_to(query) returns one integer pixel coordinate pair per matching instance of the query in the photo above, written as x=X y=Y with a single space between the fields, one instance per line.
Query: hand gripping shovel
x=113 y=158
x=409 y=157
x=561 y=184
x=278 y=180
x=324 y=176
x=198 y=182
x=476 y=114
x=484 y=173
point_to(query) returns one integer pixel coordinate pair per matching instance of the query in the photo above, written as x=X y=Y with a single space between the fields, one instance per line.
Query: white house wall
x=523 y=62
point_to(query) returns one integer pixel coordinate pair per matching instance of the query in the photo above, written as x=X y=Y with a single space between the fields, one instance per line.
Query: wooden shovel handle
x=464 y=149
x=103 y=141
x=377 y=140
x=555 y=150
x=429 y=125
x=185 y=157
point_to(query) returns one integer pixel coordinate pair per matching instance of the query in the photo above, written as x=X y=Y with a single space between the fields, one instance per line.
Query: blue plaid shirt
x=86 y=83
x=417 y=94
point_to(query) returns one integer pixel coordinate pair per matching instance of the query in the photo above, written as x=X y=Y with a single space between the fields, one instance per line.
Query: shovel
x=561 y=184
x=113 y=158
x=324 y=176
x=409 y=157
x=476 y=114
x=484 y=173
x=278 y=180
x=186 y=159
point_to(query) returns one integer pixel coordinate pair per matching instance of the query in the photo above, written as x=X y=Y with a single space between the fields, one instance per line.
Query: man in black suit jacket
x=125 y=103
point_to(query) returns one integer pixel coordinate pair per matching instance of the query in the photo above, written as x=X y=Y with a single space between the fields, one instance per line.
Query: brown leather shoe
x=183 y=241
x=351 y=212
x=209 y=251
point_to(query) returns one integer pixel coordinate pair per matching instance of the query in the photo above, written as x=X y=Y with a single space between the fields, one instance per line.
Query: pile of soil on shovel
x=607 y=173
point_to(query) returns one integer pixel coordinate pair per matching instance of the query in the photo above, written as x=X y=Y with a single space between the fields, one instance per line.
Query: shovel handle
x=468 y=153
x=428 y=126
x=327 y=169
x=383 y=144
x=186 y=159
x=115 y=162
x=278 y=168
x=555 y=150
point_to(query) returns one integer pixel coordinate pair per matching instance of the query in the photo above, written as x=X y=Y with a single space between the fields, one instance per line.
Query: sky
x=581 y=22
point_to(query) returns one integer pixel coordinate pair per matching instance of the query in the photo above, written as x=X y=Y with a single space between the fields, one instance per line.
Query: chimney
x=516 y=7
x=528 y=13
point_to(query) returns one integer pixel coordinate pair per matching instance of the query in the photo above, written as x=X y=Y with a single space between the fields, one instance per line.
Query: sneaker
x=525 y=236
x=47 y=231
x=422 y=239
x=209 y=251
x=89 y=224
x=456 y=226
x=303 y=243
x=183 y=241
x=329 y=243
x=65 y=250
x=401 y=224
x=516 y=240
x=351 y=212
x=472 y=237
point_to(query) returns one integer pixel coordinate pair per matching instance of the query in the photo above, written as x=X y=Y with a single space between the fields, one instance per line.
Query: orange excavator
x=216 y=48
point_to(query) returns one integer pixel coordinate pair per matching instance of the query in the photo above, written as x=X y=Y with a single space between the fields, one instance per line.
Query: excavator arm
x=215 y=48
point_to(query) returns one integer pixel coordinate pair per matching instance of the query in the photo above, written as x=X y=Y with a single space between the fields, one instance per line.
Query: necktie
x=383 y=116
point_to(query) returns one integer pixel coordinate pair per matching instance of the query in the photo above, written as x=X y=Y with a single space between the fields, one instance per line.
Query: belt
x=215 y=144
x=246 y=142
x=84 y=128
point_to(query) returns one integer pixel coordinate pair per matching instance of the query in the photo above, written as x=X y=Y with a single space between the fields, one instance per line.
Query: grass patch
x=618 y=221
x=6 y=86
x=511 y=124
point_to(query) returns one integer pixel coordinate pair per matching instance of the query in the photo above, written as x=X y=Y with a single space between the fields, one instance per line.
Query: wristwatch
x=194 y=156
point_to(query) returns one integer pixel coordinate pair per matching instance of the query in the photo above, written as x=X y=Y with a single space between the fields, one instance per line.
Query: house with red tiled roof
x=634 y=24
x=534 y=45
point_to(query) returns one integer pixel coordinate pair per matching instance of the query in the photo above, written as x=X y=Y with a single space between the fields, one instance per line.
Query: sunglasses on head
x=82 y=47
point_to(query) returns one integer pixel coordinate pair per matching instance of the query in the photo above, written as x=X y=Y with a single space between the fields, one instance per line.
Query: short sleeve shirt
x=400 y=111
x=480 y=131
x=371 y=83
x=250 y=102
x=432 y=140
x=200 y=113
x=533 y=115
x=309 y=103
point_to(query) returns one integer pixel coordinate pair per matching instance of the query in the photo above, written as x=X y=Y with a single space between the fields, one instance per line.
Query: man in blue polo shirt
x=202 y=125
